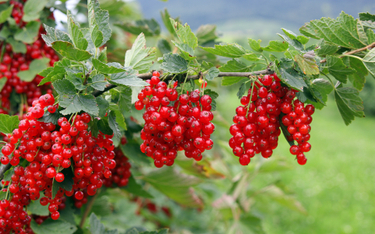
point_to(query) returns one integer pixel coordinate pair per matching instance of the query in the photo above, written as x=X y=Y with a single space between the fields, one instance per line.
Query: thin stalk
x=88 y=209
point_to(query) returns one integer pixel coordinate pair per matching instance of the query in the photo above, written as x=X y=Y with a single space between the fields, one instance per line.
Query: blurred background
x=333 y=193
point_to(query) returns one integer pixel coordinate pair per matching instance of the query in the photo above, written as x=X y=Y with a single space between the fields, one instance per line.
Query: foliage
x=86 y=80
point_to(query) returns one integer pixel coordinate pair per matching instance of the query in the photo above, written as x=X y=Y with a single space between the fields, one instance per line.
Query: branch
x=372 y=45
x=147 y=76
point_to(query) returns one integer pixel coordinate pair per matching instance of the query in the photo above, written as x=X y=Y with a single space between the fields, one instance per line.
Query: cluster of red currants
x=174 y=122
x=121 y=173
x=13 y=62
x=150 y=206
x=17 y=12
x=50 y=149
x=256 y=127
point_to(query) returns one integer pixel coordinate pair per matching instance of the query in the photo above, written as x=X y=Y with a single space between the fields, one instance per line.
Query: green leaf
x=125 y=101
x=67 y=50
x=67 y=184
x=133 y=152
x=37 y=209
x=96 y=227
x=255 y=45
x=276 y=46
x=136 y=189
x=184 y=34
x=58 y=71
x=343 y=31
x=76 y=81
x=276 y=194
x=120 y=120
x=186 y=51
x=100 y=28
x=338 y=69
x=133 y=230
x=67 y=214
x=78 y=39
x=50 y=118
x=139 y=57
x=206 y=33
x=149 y=27
x=349 y=104
x=166 y=20
x=164 y=46
x=251 y=224
x=32 y=9
x=53 y=226
x=5 y=14
x=29 y=33
x=109 y=68
x=175 y=185
x=291 y=78
x=4 y=33
x=103 y=55
x=64 y=87
x=8 y=123
x=327 y=48
x=289 y=33
x=358 y=78
x=303 y=39
x=233 y=65
x=161 y=231
x=72 y=101
x=212 y=73
x=54 y=35
x=307 y=64
x=78 y=102
x=293 y=42
x=8 y=174
x=278 y=165
x=102 y=206
x=96 y=36
x=174 y=63
x=243 y=88
x=99 y=82
x=370 y=35
x=232 y=50
x=320 y=88
x=127 y=78
x=114 y=125
x=103 y=126
x=250 y=57
x=17 y=46
x=369 y=61
x=3 y=81
x=285 y=131
x=36 y=66
x=231 y=80
x=366 y=16
x=103 y=106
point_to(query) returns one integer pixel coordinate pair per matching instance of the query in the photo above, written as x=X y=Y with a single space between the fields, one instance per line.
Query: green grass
x=336 y=186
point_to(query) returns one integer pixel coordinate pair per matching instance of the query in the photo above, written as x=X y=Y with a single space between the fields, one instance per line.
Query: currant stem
x=147 y=76
x=88 y=209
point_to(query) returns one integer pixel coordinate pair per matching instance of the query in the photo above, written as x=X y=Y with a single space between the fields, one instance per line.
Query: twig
x=372 y=45
x=147 y=76
x=88 y=209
